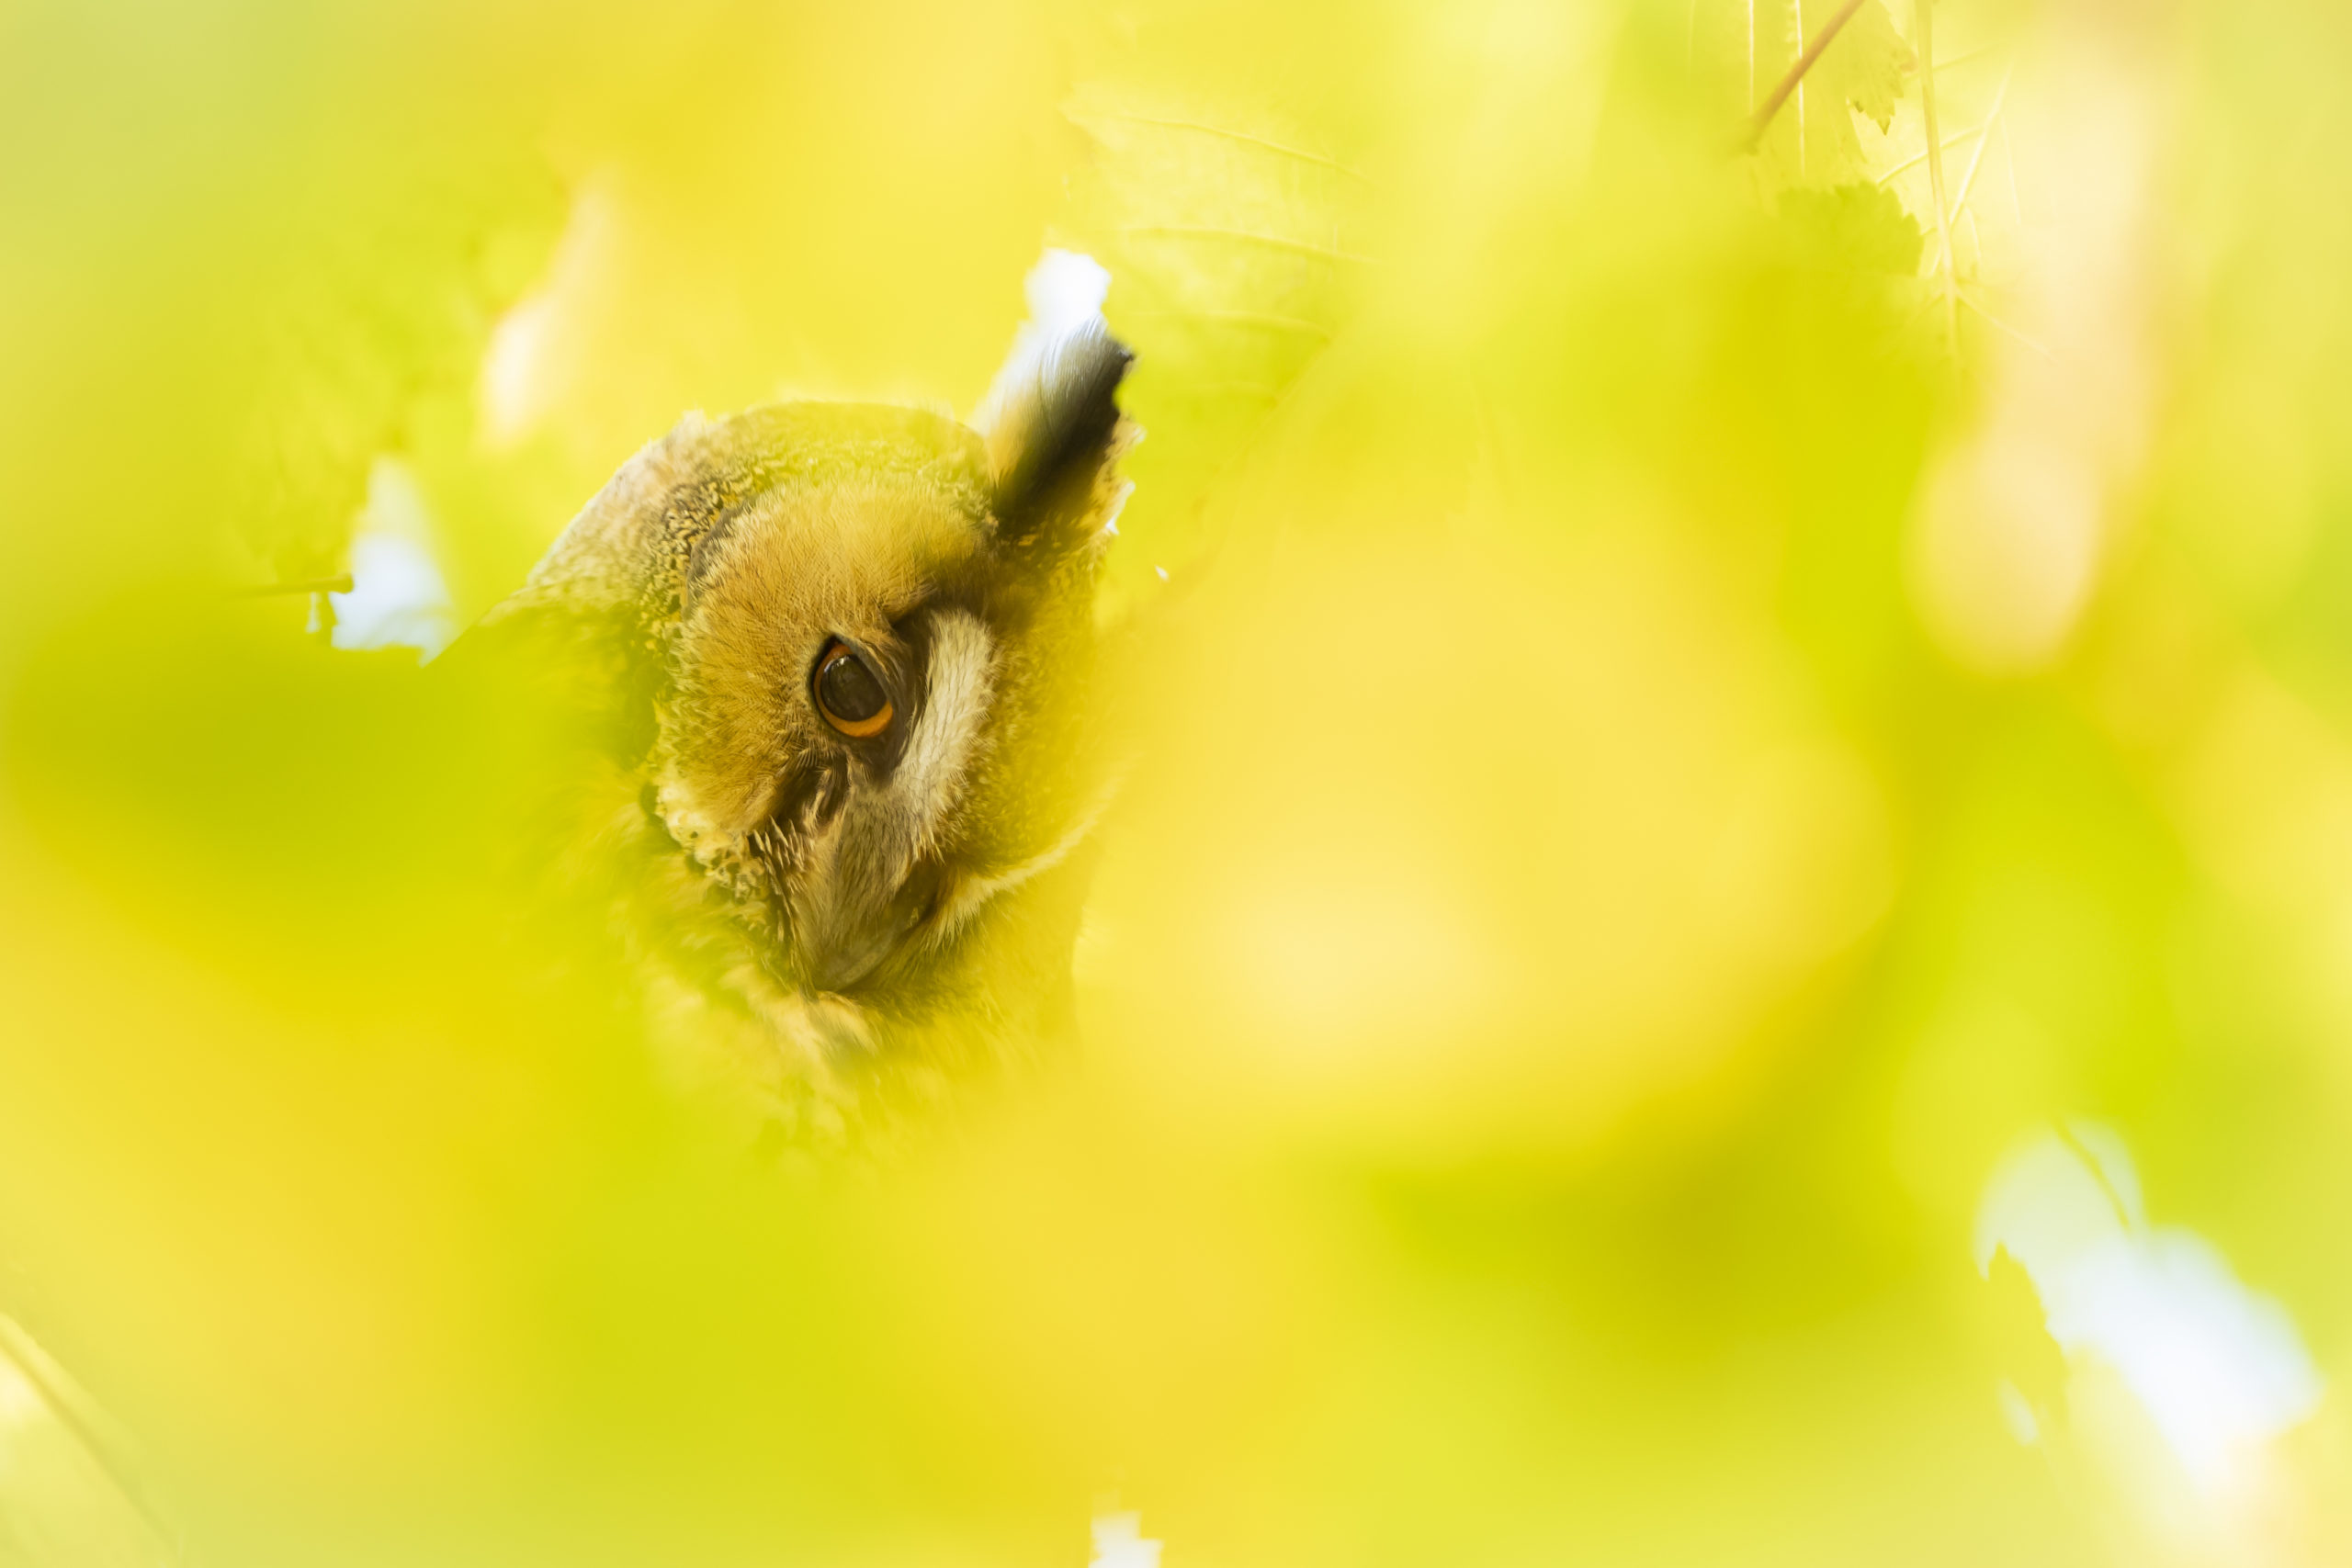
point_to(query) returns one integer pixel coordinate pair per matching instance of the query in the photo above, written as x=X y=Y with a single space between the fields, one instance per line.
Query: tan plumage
x=840 y=919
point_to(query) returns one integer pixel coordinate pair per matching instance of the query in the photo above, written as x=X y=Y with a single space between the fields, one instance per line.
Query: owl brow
x=960 y=681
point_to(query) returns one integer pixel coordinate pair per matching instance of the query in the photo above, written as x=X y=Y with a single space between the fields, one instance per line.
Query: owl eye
x=849 y=693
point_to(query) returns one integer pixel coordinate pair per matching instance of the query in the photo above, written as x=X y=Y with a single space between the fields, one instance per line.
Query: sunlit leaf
x=1233 y=264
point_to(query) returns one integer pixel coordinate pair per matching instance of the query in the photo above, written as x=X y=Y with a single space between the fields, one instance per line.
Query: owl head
x=850 y=653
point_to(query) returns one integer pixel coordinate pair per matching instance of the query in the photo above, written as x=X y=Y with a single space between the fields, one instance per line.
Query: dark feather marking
x=1061 y=422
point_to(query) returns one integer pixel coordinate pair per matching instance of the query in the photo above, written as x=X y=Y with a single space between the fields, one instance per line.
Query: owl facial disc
x=841 y=659
x=868 y=871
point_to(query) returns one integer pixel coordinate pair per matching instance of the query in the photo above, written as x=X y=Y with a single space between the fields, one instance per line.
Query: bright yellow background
x=1671 y=743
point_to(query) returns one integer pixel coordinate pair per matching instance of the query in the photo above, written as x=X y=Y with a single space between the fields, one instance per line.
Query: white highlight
x=1118 y=505
x=398 y=597
x=534 y=351
x=2018 y=1411
x=20 y=1402
x=511 y=398
x=2019 y=521
x=2219 y=1370
x=1119 y=1543
x=1066 y=290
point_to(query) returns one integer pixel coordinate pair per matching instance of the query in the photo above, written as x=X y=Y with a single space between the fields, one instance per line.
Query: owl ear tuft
x=1053 y=429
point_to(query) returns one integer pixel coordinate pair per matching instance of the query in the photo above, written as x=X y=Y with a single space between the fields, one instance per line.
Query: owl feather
x=822 y=683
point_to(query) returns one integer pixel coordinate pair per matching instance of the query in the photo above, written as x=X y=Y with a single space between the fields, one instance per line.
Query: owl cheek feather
x=703 y=808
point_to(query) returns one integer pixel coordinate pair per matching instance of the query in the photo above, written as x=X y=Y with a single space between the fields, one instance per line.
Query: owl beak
x=844 y=928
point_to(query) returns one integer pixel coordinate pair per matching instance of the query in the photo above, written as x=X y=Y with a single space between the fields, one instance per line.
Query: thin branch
x=1799 y=18
x=1995 y=321
x=1947 y=258
x=1954 y=140
x=2010 y=160
x=1806 y=59
x=1976 y=159
x=100 y=1438
x=1966 y=56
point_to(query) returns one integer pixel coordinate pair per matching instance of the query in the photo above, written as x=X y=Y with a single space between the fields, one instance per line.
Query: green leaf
x=1864 y=68
x=372 y=307
x=1228 y=239
x=1858 y=227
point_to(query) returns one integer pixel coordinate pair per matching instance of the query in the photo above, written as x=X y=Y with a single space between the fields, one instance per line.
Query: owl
x=833 y=673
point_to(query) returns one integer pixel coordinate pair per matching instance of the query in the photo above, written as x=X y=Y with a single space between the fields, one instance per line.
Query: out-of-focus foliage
x=1230 y=246
x=71 y=1492
x=1727 y=944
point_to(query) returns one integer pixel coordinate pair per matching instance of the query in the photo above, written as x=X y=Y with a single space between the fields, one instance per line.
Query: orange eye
x=849 y=694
